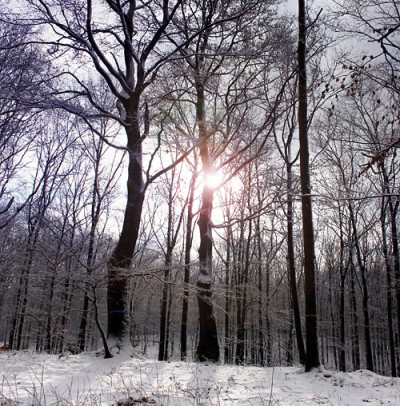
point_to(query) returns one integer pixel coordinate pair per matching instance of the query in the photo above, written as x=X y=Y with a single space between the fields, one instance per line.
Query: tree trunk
x=261 y=345
x=389 y=300
x=312 y=356
x=241 y=307
x=162 y=349
x=332 y=301
x=355 y=322
x=186 y=280
x=49 y=322
x=120 y=261
x=267 y=315
x=292 y=268
x=342 y=273
x=228 y=300
x=208 y=347
x=95 y=216
x=393 y=209
x=289 y=351
x=364 y=285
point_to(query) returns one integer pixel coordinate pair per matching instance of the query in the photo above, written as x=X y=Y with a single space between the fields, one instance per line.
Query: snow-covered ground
x=28 y=378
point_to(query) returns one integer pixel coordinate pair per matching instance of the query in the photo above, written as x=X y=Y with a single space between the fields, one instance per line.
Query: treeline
x=194 y=107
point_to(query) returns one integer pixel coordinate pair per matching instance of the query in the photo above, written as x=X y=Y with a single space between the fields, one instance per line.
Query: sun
x=213 y=180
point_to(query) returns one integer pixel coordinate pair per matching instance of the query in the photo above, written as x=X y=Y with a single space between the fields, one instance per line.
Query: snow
x=28 y=378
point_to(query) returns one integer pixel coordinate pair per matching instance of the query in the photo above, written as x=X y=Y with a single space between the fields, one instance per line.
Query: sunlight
x=213 y=180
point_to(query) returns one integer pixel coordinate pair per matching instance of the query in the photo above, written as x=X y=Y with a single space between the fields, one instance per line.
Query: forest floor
x=29 y=378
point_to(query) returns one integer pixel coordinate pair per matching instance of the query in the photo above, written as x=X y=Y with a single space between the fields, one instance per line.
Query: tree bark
x=343 y=273
x=208 y=347
x=186 y=280
x=389 y=300
x=355 y=321
x=393 y=210
x=364 y=286
x=120 y=260
x=228 y=300
x=241 y=299
x=261 y=344
x=292 y=267
x=312 y=356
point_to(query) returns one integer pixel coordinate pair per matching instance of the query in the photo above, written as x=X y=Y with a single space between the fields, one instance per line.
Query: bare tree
x=22 y=70
x=126 y=49
x=376 y=25
x=103 y=183
x=52 y=170
x=225 y=33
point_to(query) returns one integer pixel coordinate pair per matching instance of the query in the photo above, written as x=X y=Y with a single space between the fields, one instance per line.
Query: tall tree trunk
x=49 y=322
x=389 y=300
x=49 y=347
x=261 y=345
x=267 y=315
x=241 y=307
x=292 y=267
x=355 y=321
x=364 y=285
x=342 y=273
x=393 y=210
x=15 y=317
x=289 y=351
x=95 y=216
x=332 y=301
x=208 y=347
x=120 y=261
x=342 y=342
x=228 y=299
x=67 y=298
x=163 y=347
x=312 y=355
x=186 y=278
x=239 y=272
x=173 y=228
x=84 y=320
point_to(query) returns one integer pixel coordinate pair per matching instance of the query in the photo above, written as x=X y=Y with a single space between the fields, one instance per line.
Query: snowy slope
x=28 y=378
